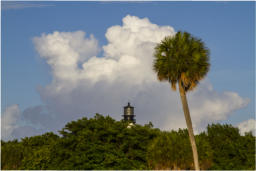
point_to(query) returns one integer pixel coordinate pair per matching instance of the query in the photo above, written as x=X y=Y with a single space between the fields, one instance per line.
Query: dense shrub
x=103 y=143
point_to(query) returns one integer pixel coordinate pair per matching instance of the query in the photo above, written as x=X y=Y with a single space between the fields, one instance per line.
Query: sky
x=61 y=61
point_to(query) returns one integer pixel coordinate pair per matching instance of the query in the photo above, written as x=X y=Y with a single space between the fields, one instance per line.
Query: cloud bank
x=84 y=83
x=9 y=120
x=247 y=126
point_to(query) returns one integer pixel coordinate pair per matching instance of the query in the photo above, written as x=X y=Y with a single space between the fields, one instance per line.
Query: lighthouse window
x=128 y=111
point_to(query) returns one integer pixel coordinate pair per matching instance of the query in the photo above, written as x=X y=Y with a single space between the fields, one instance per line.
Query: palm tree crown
x=181 y=58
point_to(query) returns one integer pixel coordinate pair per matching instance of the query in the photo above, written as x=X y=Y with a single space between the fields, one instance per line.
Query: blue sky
x=227 y=28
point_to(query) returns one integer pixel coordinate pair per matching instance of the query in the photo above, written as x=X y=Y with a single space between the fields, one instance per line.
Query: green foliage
x=181 y=58
x=11 y=155
x=230 y=150
x=37 y=151
x=205 y=151
x=103 y=143
x=172 y=150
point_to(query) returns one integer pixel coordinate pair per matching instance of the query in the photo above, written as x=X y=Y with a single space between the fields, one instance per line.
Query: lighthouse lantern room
x=129 y=113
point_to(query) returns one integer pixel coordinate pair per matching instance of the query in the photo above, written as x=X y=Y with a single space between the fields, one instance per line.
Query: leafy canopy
x=181 y=58
x=104 y=143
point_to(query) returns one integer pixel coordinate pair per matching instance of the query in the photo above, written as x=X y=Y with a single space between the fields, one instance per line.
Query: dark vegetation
x=103 y=143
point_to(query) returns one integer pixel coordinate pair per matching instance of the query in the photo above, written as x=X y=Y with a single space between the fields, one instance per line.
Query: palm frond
x=181 y=57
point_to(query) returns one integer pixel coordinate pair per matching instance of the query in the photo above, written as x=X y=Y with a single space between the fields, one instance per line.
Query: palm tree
x=182 y=59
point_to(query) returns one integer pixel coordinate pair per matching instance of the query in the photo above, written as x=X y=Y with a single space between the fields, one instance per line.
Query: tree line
x=104 y=143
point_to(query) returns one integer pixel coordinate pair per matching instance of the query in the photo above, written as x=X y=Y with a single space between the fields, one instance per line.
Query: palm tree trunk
x=189 y=125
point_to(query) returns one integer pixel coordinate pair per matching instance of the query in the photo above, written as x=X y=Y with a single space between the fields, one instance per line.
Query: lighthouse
x=129 y=113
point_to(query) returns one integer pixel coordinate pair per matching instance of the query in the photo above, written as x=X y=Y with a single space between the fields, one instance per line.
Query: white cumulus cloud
x=9 y=120
x=128 y=55
x=208 y=105
x=16 y=124
x=247 y=126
